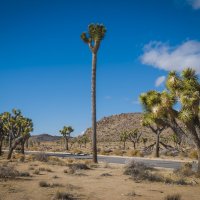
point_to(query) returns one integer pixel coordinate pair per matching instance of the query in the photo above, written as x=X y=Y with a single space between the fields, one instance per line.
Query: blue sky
x=45 y=69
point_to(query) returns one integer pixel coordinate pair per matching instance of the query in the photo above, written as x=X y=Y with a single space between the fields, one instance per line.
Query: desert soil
x=87 y=184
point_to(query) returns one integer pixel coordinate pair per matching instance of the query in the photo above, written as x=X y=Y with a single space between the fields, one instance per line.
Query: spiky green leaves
x=96 y=33
x=66 y=130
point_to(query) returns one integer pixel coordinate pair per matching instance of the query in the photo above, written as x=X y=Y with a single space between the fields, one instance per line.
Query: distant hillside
x=44 y=138
x=109 y=128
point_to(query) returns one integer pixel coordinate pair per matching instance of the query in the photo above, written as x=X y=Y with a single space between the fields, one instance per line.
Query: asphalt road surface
x=170 y=164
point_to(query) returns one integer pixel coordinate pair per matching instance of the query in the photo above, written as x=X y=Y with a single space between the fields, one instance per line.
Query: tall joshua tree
x=93 y=38
x=66 y=131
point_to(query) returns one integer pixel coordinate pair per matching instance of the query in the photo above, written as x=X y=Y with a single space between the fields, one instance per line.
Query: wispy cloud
x=194 y=3
x=159 y=81
x=164 y=56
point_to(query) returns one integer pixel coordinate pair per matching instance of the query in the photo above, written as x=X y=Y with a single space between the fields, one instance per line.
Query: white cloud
x=159 y=80
x=166 y=57
x=194 y=3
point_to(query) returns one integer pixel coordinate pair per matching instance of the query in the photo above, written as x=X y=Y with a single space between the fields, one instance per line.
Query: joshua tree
x=85 y=140
x=184 y=89
x=93 y=38
x=66 y=131
x=150 y=101
x=2 y=134
x=17 y=128
x=123 y=138
x=134 y=137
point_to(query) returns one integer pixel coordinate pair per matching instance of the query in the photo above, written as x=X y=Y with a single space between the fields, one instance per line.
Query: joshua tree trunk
x=10 y=140
x=134 y=145
x=93 y=93
x=66 y=143
x=124 y=146
x=27 y=143
x=198 y=168
x=22 y=146
x=1 y=142
x=14 y=145
x=157 y=145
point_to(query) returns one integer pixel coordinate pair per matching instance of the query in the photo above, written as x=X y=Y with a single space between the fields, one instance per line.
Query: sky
x=45 y=68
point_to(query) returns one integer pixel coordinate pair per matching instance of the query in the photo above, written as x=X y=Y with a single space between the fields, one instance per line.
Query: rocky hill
x=44 y=138
x=109 y=128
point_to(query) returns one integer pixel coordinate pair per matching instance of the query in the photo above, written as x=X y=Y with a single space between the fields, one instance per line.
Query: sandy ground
x=87 y=184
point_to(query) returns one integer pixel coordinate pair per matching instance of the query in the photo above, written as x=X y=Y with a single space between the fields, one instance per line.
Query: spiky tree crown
x=66 y=130
x=96 y=33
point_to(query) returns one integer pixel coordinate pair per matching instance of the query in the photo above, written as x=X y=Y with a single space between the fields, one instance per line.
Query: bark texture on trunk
x=1 y=143
x=198 y=167
x=93 y=94
x=13 y=146
x=22 y=147
x=157 y=145
x=66 y=143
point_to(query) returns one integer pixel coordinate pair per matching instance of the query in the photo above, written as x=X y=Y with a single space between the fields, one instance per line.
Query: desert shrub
x=185 y=170
x=65 y=171
x=44 y=184
x=37 y=172
x=63 y=196
x=56 y=161
x=42 y=157
x=45 y=169
x=118 y=152
x=134 y=153
x=24 y=174
x=70 y=160
x=103 y=152
x=8 y=172
x=173 y=197
x=56 y=185
x=78 y=166
x=139 y=171
x=55 y=176
x=31 y=168
x=106 y=174
x=180 y=181
x=193 y=154
x=77 y=151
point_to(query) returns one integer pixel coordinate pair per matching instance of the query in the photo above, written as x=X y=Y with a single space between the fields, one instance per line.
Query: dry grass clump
x=140 y=172
x=185 y=170
x=76 y=151
x=193 y=154
x=45 y=169
x=173 y=197
x=134 y=153
x=8 y=172
x=44 y=184
x=78 y=166
x=118 y=152
x=42 y=157
x=56 y=161
x=37 y=172
x=24 y=174
x=63 y=196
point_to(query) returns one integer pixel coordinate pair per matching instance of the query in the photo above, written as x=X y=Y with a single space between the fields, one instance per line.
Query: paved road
x=122 y=160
